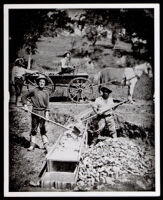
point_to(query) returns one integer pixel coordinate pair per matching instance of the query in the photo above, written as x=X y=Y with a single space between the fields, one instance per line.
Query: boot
x=18 y=101
x=45 y=142
x=32 y=143
x=31 y=148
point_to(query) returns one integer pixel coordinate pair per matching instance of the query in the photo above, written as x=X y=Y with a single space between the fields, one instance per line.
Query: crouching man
x=103 y=107
x=40 y=102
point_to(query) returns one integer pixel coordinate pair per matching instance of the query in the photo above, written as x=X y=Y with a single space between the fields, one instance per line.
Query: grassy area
x=51 y=50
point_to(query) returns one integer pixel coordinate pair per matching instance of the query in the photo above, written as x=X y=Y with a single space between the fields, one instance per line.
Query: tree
x=26 y=26
x=140 y=21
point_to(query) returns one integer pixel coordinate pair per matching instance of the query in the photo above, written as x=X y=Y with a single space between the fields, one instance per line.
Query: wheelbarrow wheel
x=80 y=90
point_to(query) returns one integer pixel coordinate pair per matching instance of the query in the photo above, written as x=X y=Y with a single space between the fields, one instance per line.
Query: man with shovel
x=105 y=116
x=40 y=102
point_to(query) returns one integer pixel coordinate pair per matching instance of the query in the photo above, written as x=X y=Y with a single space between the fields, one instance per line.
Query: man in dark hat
x=103 y=107
x=17 y=77
x=40 y=102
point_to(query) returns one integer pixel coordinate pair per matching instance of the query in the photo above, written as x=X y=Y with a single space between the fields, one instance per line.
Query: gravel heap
x=116 y=160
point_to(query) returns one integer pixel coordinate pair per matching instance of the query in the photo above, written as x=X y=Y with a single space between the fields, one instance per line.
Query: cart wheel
x=80 y=90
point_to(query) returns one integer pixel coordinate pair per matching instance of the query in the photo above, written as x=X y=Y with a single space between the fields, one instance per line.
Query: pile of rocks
x=116 y=159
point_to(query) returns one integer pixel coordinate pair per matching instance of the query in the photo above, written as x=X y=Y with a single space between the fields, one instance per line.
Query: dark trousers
x=36 y=121
x=18 y=88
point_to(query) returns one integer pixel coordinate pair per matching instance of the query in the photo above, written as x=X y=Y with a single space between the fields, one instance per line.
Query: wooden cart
x=79 y=88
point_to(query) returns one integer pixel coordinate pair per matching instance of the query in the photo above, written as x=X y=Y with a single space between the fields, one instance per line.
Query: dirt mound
x=117 y=162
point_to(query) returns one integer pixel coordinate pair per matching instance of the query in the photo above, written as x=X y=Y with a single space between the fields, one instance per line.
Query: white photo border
x=156 y=8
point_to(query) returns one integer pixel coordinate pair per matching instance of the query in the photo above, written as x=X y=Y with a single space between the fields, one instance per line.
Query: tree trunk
x=29 y=61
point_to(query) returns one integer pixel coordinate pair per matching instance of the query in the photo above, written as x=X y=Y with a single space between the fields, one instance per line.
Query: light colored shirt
x=65 y=63
x=101 y=105
x=18 y=72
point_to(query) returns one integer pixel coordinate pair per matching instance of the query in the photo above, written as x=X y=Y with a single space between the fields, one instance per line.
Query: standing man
x=40 y=102
x=106 y=119
x=17 y=77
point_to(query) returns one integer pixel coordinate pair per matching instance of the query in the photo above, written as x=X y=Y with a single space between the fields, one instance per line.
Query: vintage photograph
x=81 y=99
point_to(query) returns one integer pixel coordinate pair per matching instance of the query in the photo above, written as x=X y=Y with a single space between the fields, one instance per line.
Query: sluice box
x=62 y=163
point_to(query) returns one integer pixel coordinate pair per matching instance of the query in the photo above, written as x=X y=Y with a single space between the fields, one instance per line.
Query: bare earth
x=25 y=166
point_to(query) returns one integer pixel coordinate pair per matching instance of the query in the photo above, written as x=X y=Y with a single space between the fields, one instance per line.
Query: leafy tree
x=140 y=21
x=26 y=26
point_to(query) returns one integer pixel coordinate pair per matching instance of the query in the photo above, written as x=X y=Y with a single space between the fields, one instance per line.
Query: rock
x=109 y=180
x=34 y=184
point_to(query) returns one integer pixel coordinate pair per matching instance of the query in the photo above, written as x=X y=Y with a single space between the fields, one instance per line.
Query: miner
x=103 y=107
x=17 y=78
x=66 y=64
x=40 y=102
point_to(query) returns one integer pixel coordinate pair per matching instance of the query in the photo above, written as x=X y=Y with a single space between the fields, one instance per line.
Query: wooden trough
x=62 y=162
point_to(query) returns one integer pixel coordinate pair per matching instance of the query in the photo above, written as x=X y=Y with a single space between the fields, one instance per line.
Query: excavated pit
x=125 y=163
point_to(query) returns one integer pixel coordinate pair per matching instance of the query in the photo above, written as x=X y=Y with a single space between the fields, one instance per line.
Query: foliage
x=27 y=26
x=139 y=21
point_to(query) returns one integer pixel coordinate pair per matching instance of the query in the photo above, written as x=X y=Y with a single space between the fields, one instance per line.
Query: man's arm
x=95 y=106
x=25 y=98
x=30 y=71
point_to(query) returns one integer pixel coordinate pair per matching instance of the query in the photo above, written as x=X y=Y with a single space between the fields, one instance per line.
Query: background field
x=51 y=50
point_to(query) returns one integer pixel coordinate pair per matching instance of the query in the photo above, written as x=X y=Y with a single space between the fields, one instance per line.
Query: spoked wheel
x=30 y=82
x=80 y=90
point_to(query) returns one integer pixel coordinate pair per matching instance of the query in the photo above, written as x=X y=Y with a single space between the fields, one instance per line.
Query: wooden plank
x=59 y=180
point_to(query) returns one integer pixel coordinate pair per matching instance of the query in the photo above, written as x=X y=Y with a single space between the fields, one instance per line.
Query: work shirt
x=18 y=72
x=102 y=104
x=39 y=98
x=65 y=63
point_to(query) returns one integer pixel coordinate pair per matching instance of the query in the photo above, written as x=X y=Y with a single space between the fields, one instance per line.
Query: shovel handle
x=104 y=111
x=47 y=119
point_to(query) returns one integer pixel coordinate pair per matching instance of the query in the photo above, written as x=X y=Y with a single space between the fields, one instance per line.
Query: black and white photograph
x=81 y=100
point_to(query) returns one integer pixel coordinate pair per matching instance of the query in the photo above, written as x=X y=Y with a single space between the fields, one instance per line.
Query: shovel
x=48 y=120
x=74 y=129
x=105 y=110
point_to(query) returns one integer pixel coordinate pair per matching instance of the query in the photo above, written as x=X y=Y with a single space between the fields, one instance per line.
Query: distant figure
x=122 y=61
x=17 y=77
x=66 y=65
x=90 y=65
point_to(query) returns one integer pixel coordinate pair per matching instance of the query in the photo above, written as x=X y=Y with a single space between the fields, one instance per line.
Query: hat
x=66 y=52
x=102 y=88
x=19 y=61
x=41 y=76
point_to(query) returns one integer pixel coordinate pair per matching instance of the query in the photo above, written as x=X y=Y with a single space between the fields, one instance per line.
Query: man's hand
x=100 y=114
x=47 y=115
x=26 y=108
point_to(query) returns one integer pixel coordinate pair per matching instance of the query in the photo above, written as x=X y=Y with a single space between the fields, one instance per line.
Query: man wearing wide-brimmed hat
x=40 y=102
x=17 y=77
x=103 y=107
